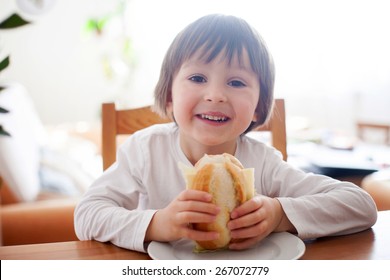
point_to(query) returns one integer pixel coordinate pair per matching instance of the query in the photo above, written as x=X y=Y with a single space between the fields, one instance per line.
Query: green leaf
x=13 y=21
x=3 y=132
x=2 y=110
x=95 y=25
x=4 y=63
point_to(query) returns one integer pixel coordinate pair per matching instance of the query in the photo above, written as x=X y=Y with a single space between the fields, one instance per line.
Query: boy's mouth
x=214 y=118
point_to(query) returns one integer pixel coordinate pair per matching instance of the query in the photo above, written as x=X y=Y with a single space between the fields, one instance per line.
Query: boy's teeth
x=213 y=118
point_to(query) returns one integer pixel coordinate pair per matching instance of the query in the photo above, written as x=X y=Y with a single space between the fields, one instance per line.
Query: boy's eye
x=197 y=79
x=236 y=83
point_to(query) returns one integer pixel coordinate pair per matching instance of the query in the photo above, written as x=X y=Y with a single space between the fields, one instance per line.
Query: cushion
x=19 y=154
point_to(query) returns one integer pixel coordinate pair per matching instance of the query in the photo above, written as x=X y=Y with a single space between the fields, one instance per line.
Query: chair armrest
x=38 y=222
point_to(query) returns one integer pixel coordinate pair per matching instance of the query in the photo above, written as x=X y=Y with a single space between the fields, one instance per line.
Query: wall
x=58 y=63
x=332 y=59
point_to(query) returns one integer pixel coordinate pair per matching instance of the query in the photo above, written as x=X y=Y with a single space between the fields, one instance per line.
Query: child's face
x=213 y=103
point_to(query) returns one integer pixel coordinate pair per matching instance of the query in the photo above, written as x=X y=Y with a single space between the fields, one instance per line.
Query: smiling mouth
x=213 y=118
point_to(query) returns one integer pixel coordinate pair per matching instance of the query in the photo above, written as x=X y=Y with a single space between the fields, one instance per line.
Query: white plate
x=277 y=246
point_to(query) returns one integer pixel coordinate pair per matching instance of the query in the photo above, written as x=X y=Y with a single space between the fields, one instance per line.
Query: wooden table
x=373 y=243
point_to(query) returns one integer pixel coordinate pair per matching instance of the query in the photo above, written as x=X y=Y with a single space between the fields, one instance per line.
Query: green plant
x=121 y=49
x=13 y=21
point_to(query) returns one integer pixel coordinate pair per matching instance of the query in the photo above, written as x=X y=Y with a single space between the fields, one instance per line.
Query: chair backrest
x=127 y=121
x=120 y=122
x=362 y=127
x=277 y=126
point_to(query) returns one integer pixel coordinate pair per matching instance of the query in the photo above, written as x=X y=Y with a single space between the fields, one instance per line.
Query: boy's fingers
x=196 y=201
x=197 y=206
x=195 y=217
x=248 y=220
x=260 y=229
x=247 y=207
x=195 y=195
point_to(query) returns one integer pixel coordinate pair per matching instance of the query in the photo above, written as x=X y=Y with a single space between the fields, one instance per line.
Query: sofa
x=44 y=170
x=49 y=219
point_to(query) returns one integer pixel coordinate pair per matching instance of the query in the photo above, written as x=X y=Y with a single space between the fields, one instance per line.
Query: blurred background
x=332 y=59
x=332 y=67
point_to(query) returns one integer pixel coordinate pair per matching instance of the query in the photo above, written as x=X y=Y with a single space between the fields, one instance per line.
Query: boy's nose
x=215 y=94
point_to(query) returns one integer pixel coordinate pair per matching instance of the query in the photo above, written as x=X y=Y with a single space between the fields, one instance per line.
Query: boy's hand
x=256 y=219
x=172 y=222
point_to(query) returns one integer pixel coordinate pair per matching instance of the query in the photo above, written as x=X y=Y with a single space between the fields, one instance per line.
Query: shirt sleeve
x=108 y=211
x=317 y=205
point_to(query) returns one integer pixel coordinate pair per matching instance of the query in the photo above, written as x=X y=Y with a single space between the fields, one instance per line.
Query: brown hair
x=212 y=34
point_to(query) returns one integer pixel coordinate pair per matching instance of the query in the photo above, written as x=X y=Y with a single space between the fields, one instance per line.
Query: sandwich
x=229 y=183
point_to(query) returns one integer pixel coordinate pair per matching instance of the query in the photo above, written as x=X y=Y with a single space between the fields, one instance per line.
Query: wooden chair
x=363 y=127
x=120 y=122
x=277 y=126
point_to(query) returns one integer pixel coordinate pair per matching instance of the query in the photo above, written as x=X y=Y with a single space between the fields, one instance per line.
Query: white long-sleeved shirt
x=119 y=206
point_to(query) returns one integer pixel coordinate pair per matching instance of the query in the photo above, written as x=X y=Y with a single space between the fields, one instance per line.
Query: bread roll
x=230 y=184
